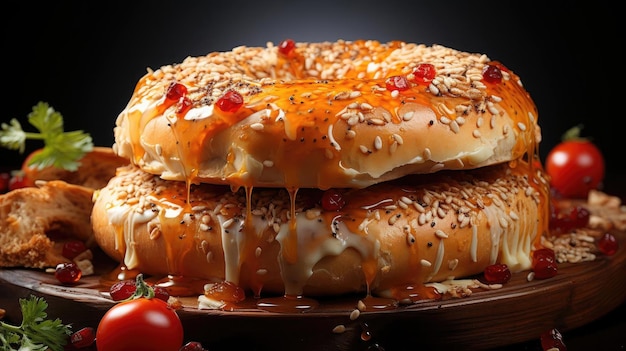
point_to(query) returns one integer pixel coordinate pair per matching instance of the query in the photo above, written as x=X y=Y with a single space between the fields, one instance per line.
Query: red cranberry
x=551 y=340
x=399 y=83
x=230 y=102
x=544 y=263
x=332 y=200
x=73 y=248
x=566 y=220
x=492 y=74
x=176 y=91
x=67 y=273
x=124 y=289
x=497 y=274
x=424 y=73
x=286 y=47
x=83 y=338
x=608 y=244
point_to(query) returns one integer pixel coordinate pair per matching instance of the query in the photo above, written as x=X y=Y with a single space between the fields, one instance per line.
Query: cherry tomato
x=140 y=324
x=575 y=167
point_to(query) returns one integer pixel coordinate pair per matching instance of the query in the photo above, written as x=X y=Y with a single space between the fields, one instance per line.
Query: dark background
x=85 y=58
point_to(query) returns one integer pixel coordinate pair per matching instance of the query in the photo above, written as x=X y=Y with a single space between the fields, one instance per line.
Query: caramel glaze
x=296 y=132
x=241 y=236
x=310 y=129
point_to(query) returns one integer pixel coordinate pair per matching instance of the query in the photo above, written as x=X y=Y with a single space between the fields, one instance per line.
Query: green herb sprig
x=36 y=331
x=62 y=149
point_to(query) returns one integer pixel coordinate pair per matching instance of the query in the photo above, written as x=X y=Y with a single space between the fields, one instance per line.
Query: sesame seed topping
x=441 y=234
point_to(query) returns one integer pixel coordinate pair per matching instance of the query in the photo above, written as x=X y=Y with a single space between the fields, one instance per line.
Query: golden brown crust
x=423 y=229
x=95 y=170
x=34 y=220
x=323 y=117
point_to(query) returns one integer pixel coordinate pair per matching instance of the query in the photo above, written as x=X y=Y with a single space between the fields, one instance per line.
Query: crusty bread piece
x=35 y=221
x=95 y=170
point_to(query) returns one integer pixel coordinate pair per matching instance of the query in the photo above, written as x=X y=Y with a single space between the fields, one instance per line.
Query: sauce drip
x=119 y=273
x=178 y=285
x=287 y=304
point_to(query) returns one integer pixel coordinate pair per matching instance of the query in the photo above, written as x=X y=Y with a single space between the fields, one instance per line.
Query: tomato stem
x=573 y=133
x=142 y=289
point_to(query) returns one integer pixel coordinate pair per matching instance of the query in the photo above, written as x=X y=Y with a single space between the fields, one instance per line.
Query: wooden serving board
x=520 y=311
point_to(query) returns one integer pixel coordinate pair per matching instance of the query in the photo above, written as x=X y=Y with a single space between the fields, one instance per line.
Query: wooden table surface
x=579 y=302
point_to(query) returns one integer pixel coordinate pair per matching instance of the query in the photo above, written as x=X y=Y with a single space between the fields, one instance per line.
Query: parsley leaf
x=36 y=331
x=62 y=149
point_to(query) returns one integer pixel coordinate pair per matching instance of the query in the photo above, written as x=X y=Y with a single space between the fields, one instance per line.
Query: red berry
x=332 y=200
x=73 y=248
x=83 y=338
x=497 y=274
x=492 y=74
x=286 y=47
x=122 y=290
x=544 y=269
x=552 y=340
x=67 y=273
x=608 y=244
x=544 y=263
x=192 y=346
x=161 y=293
x=565 y=220
x=424 y=73
x=225 y=291
x=175 y=92
x=230 y=102
x=544 y=254
x=399 y=83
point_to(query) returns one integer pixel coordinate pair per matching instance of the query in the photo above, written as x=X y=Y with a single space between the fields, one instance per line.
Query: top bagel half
x=325 y=115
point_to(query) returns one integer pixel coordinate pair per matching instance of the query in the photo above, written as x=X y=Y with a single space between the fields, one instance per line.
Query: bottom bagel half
x=415 y=230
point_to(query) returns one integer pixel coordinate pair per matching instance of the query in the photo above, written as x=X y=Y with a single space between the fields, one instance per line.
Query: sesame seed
x=339 y=329
x=355 y=314
x=257 y=126
x=378 y=143
x=398 y=138
x=441 y=234
x=454 y=126
x=406 y=200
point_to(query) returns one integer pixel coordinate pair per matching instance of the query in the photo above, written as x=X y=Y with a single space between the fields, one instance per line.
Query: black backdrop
x=85 y=58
